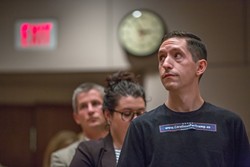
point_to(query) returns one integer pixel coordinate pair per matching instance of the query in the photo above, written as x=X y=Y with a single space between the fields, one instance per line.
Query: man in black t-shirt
x=185 y=131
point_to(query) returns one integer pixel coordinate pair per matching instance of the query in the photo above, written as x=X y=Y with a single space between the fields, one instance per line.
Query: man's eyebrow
x=170 y=50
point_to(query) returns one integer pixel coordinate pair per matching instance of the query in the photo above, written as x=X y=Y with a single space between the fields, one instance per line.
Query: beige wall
x=87 y=42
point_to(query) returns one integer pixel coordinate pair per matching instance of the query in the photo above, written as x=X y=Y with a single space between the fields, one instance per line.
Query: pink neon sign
x=35 y=34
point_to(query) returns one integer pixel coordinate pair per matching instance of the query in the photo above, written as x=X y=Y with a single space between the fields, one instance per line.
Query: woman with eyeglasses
x=124 y=100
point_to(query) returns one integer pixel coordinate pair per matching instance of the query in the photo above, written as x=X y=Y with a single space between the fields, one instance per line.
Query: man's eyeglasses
x=127 y=116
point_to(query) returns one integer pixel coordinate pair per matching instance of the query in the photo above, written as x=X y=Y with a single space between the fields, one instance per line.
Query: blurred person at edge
x=87 y=103
x=124 y=100
x=185 y=131
x=60 y=140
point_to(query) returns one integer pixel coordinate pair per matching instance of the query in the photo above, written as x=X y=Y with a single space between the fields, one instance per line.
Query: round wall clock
x=140 y=32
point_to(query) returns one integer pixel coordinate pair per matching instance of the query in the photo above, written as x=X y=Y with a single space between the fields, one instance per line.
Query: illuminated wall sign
x=36 y=34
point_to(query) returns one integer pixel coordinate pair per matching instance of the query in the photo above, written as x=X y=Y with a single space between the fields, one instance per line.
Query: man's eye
x=161 y=58
x=95 y=103
x=83 y=107
x=177 y=56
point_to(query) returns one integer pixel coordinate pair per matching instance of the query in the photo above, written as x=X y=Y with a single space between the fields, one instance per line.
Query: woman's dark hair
x=121 y=84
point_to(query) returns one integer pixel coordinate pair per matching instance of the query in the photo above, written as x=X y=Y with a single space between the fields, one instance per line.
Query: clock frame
x=140 y=32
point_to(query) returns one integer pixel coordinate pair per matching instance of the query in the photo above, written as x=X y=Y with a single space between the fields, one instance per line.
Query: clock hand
x=143 y=32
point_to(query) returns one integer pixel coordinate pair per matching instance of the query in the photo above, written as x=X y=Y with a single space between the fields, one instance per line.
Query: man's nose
x=168 y=62
x=90 y=108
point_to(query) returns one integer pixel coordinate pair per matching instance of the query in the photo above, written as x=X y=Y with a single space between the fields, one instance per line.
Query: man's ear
x=201 y=67
x=76 y=118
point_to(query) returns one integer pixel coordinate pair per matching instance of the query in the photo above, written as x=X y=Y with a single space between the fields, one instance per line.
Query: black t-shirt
x=208 y=137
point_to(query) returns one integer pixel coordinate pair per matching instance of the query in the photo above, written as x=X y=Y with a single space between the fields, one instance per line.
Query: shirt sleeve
x=56 y=160
x=242 y=147
x=132 y=153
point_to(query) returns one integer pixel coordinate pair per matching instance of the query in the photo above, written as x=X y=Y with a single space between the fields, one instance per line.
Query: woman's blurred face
x=127 y=107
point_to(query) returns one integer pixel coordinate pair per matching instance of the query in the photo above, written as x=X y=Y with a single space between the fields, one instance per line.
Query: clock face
x=140 y=32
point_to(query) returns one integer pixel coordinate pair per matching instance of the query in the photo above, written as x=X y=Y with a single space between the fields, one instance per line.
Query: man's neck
x=184 y=102
x=95 y=134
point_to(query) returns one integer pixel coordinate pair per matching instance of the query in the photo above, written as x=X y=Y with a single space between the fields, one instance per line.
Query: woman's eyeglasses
x=127 y=116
